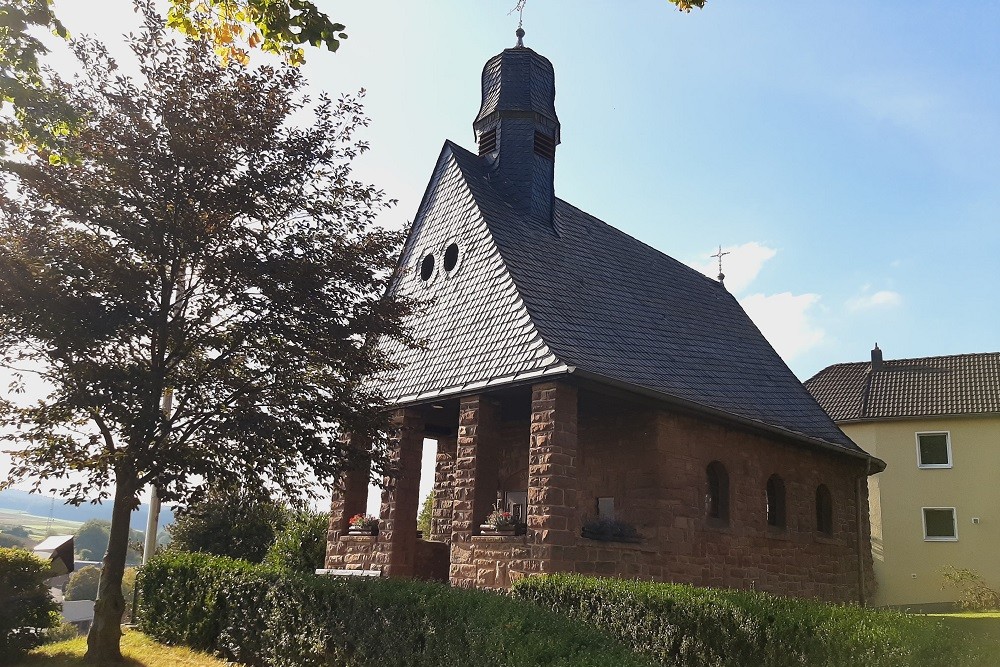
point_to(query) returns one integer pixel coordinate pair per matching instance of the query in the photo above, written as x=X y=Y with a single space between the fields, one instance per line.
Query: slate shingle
x=579 y=295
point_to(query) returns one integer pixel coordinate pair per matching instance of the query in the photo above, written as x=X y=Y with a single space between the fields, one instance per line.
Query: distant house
x=79 y=613
x=622 y=406
x=935 y=421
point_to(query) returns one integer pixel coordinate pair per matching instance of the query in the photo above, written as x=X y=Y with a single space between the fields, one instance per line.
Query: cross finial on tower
x=720 y=255
x=519 y=8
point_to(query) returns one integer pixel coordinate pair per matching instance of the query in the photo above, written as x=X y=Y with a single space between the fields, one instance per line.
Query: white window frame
x=932 y=466
x=954 y=522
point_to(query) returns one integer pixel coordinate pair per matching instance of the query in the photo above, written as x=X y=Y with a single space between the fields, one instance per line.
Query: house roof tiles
x=961 y=384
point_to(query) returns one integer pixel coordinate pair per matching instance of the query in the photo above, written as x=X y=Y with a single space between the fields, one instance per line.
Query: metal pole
x=153 y=518
x=152 y=524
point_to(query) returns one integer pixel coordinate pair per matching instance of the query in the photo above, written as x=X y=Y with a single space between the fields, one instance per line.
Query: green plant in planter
x=500 y=519
x=365 y=522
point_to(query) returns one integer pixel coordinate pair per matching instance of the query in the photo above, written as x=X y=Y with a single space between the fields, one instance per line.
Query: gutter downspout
x=862 y=597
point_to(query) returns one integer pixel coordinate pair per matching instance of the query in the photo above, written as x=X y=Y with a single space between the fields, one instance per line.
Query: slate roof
x=584 y=298
x=518 y=80
x=964 y=384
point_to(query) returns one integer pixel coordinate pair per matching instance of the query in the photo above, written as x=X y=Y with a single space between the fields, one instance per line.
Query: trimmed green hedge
x=263 y=616
x=26 y=608
x=683 y=625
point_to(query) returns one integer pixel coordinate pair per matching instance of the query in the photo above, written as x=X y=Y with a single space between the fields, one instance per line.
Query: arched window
x=824 y=510
x=717 y=496
x=775 y=501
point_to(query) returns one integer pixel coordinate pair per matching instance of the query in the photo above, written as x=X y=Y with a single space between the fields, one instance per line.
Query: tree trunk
x=104 y=640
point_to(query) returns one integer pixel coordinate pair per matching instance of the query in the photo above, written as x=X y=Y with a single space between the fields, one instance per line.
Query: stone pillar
x=350 y=497
x=444 y=483
x=553 y=512
x=400 y=500
x=475 y=479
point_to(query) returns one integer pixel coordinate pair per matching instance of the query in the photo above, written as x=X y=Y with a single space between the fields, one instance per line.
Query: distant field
x=36 y=525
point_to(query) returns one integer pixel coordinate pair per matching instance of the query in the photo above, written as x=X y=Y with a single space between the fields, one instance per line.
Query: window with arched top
x=824 y=510
x=776 y=502
x=717 y=494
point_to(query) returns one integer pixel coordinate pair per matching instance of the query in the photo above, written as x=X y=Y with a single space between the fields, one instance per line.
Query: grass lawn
x=981 y=630
x=138 y=649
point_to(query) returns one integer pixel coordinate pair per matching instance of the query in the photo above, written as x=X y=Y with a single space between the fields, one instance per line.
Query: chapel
x=619 y=409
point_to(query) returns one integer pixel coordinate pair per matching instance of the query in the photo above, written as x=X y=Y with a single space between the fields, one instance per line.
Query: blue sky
x=846 y=153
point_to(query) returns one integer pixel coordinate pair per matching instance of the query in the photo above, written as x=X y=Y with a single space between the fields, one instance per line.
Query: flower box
x=487 y=529
x=362 y=524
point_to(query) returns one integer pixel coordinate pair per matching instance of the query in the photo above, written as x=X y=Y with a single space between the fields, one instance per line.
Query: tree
x=27 y=607
x=230 y=523
x=82 y=584
x=234 y=26
x=37 y=115
x=426 y=515
x=92 y=537
x=687 y=5
x=204 y=249
x=9 y=541
x=91 y=541
x=301 y=545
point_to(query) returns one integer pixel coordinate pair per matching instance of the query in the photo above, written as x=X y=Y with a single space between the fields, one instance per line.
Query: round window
x=450 y=257
x=427 y=267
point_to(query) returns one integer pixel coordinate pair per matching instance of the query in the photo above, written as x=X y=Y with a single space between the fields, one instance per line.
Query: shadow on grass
x=71 y=658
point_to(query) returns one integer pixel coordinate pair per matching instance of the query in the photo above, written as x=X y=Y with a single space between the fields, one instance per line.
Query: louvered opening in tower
x=488 y=142
x=545 y=146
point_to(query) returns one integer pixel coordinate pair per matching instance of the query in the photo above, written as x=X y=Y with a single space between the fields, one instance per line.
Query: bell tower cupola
x=517 y=128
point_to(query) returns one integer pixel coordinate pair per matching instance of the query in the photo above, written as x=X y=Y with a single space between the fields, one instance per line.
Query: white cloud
x=785 y=321
x=741 y=265
x=880 y=299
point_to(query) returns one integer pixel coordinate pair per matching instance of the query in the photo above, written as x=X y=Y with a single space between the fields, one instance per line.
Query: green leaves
x=263 y=616
x=39 y=115
x=680 y=624
x=234 y=27
x=687 y=5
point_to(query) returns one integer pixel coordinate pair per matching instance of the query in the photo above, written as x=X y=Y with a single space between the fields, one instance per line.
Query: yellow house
x=935 y=421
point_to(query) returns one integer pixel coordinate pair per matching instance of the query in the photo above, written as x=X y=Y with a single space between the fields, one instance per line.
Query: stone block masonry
x=568 y=448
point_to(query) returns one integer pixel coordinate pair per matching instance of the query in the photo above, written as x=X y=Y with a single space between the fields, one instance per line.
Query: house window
x=934 y=450
x=940 y=524
x=717 y=495
x=824 y=510
x=775 y=502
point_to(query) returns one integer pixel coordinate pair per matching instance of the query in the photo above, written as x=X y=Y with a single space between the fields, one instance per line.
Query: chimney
x=517 y=128
x=876 y=358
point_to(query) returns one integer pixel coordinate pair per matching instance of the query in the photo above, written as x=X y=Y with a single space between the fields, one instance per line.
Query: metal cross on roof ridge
x=720 y=255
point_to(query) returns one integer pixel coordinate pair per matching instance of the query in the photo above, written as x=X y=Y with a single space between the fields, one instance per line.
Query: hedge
x=683 y=625
x=257 y=615
x=26 y=608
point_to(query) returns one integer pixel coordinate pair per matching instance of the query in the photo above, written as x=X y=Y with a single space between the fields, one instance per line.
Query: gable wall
x=909 y=568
